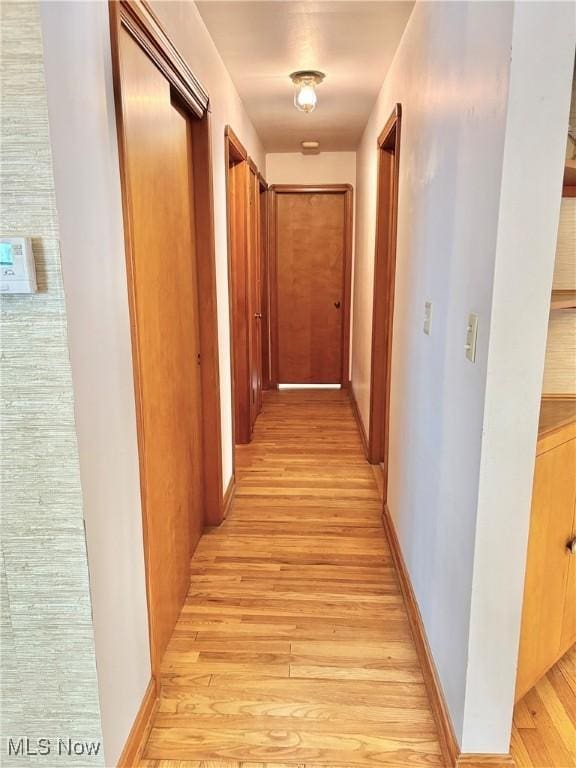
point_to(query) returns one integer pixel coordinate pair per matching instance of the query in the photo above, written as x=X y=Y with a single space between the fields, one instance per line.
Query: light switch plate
x=471 y=334
x=427 y=317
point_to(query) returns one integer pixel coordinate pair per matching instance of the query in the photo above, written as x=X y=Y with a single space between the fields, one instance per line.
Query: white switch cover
x=471 y=334
x=427 y=317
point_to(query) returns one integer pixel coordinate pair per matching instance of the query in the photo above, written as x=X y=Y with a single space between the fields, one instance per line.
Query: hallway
x=294 y=646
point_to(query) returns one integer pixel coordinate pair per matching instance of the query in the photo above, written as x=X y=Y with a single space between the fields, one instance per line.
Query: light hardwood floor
x=544 y=732
x=294 y=647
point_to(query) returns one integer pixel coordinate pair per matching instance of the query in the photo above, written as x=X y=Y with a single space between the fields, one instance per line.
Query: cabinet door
x=569 y=624
x=548 y=564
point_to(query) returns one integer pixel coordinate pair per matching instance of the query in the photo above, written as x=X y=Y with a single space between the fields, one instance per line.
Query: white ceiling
x=263 y=41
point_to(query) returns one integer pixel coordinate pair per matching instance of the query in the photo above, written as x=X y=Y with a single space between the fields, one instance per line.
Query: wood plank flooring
x=544 y=731
x=293 y=647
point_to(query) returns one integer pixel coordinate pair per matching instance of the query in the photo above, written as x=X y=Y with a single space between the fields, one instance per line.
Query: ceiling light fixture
x=305 y=82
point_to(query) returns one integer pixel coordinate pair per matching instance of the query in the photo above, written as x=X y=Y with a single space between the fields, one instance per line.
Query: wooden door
x=265 y=291
x=312 y=295
x=544 y=621
x=255 y=295
x=240 y=327
x=165 y=317
x=245 y=271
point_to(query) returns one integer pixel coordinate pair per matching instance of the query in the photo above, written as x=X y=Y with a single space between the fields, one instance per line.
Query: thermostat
x=17 y=268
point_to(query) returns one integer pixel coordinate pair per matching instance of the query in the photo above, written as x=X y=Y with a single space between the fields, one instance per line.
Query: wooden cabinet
x=549 y=611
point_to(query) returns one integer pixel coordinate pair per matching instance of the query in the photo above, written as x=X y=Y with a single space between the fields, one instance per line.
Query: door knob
x=571 y=547
x=258 y=315
x=337 y=304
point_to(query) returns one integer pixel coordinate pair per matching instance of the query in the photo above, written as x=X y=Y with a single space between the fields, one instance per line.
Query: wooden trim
x=140 y=22
x=230 y=147
x=386 y=132
x=349 y=226
x=138 y=736
x=451 y=754
x=143 y=24
x=555 y=437
x=482 y=761
x=236 y=150
x=311 y=188
x=228 y=497
x=383 y=295
x=337 y=189
x=265 y=277
x=358 y=417
x=238 y=231
x=568 y=191
x=273 y=286
x=241 y=169
x=567 y=396
x=253 y=167
x=208 y=313
x=448 y=744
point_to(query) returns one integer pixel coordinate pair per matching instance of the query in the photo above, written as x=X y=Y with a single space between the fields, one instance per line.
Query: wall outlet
x=427 y=317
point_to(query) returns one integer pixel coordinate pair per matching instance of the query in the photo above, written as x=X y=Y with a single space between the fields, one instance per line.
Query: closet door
x=166 y=331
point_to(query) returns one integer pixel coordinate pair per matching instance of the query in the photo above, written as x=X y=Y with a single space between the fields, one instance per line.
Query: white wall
x=84 y=145
x=543 y=47
x=84 y=149
x=323 y=168
x=451 y=74
x=184 y=25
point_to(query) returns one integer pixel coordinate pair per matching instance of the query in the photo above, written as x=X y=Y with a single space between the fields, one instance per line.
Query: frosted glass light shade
x=305 y=97
x=305 y=82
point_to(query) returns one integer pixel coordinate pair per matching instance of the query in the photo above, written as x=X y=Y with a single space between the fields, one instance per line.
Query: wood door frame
x=254 y=274
x=264 y=260
x=383 y=298
x=337 y=189
x=237 y=233
x=140 y=22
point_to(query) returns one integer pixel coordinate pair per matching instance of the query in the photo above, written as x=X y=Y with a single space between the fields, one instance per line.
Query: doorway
x=164 y=144
x=383 y=304
x=310 y=263
x=254 y=275
x=247 y=271
x=265 y=277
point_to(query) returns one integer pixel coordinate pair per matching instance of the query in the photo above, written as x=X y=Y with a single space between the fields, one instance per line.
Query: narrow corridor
x=294 y=646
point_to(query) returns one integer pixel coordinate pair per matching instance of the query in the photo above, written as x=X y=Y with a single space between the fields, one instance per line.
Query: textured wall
x=48 y=664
